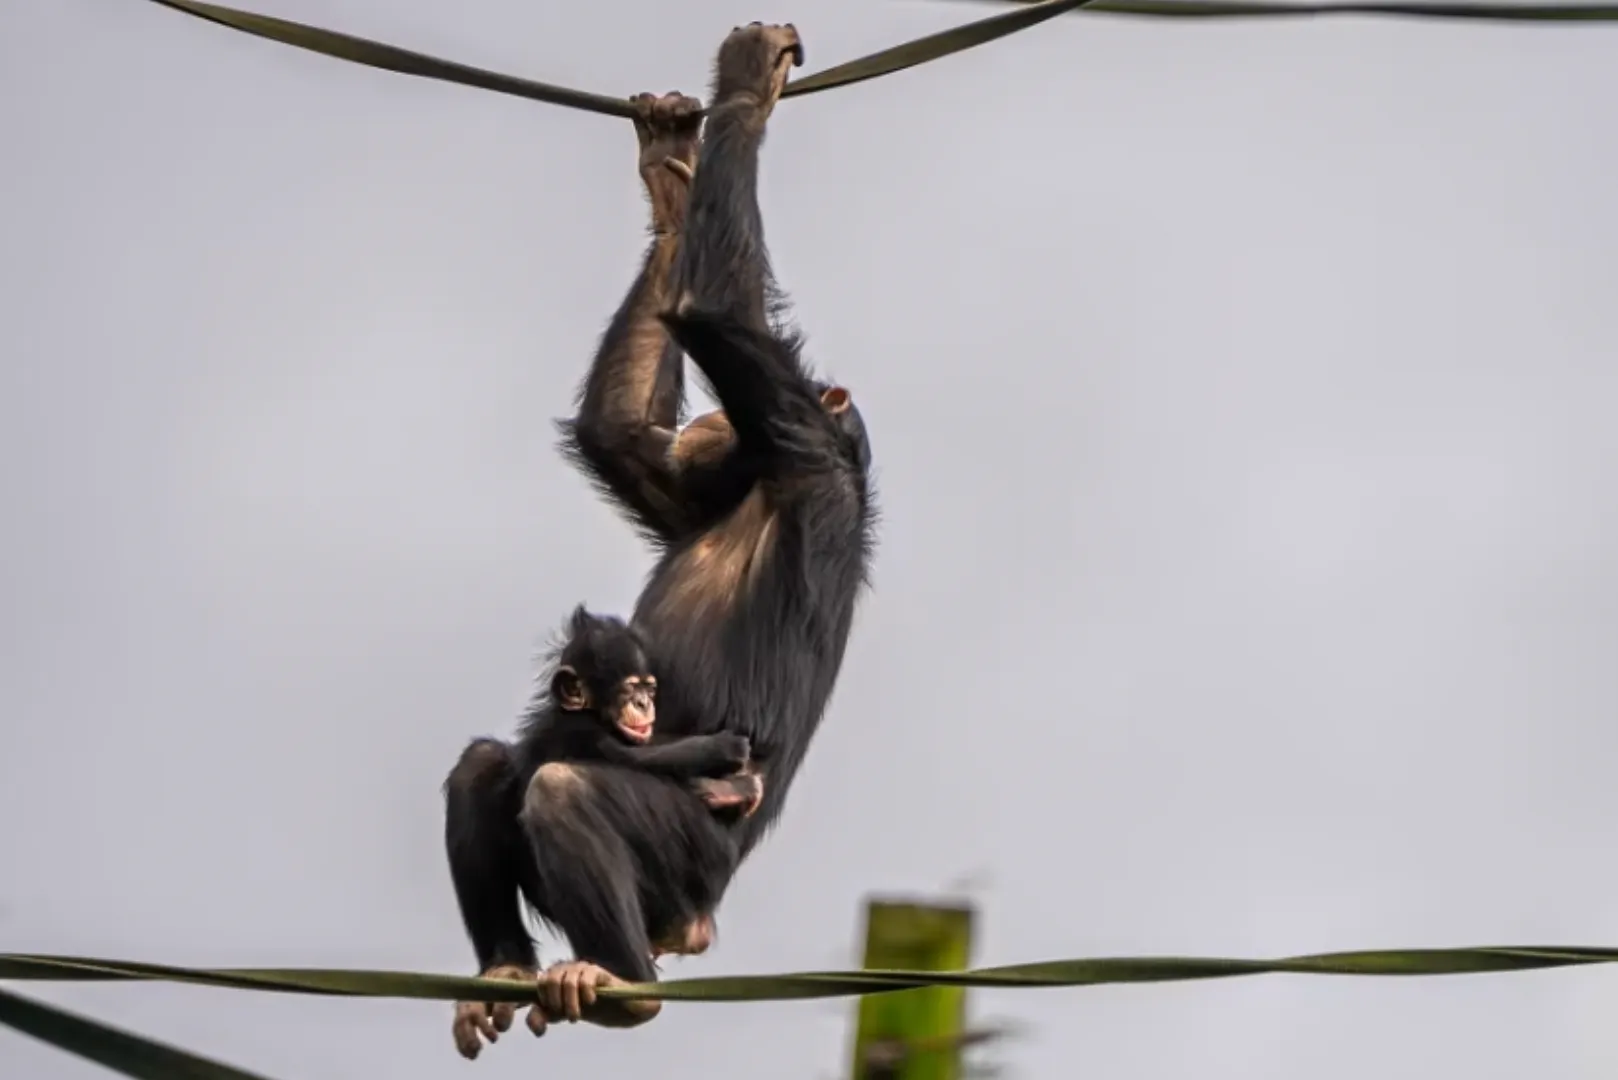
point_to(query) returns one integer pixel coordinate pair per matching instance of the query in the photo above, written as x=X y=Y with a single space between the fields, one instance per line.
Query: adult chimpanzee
x=763 y=517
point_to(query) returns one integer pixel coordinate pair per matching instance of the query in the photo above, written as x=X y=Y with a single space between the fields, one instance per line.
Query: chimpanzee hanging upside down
x=764 y=522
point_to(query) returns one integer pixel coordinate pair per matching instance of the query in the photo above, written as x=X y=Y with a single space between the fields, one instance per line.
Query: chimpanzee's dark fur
x=764 y=520
x=485 y=796
x=602 y=653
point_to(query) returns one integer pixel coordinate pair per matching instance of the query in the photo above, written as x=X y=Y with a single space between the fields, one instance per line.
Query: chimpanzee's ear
x=836 y=399
x=568 y=690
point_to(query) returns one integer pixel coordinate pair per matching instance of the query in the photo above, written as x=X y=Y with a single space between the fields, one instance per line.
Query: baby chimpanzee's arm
x=686 y=758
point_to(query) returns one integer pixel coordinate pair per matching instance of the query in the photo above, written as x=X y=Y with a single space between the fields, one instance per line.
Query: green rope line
x=820 y=984
x=391 y=58
x=119 y=1050
x=147 y=1059
x=1027 y=13
x=1242 y=9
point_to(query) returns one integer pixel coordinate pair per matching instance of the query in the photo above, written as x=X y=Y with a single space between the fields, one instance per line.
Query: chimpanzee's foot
x=567 y=991
x=670 y=132
x=476 y=1021
x=735 y=796
x=692 y=939
x=752 y=67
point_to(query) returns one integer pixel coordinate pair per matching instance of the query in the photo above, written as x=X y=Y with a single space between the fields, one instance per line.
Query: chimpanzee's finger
x=571 y=993
x=547 y=996
x=537 y=1022
x=466 y=1039
x=502 y=1013
x=558 y=993
x=587 y=986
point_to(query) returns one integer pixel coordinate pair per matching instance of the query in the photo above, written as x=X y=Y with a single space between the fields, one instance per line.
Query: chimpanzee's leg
x=586 y=870
x=723 y=265
x=487 y=857
x=622 y=857
x=723 y=273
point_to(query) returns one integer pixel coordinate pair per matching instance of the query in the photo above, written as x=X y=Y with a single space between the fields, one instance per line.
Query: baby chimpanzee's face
x=636 y=709
x=604 y=669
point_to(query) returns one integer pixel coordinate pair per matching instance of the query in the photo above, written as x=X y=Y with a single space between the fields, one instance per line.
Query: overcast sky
x=1243 y=401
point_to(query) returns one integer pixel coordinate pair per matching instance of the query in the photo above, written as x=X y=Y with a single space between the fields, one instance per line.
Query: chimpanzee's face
x=604 y=670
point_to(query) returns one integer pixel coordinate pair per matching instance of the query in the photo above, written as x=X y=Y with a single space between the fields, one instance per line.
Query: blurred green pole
x=914 y=1034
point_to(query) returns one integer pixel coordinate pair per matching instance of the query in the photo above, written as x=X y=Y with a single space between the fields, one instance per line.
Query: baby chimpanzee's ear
x=568 y=690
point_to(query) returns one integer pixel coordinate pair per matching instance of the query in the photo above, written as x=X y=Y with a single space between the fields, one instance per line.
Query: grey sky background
x=1242 y=397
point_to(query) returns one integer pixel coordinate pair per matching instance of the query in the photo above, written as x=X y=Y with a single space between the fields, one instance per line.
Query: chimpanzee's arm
x=625 y=435
x=686 y=758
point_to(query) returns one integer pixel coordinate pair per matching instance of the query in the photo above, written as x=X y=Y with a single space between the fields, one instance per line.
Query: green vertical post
x=913 y=1034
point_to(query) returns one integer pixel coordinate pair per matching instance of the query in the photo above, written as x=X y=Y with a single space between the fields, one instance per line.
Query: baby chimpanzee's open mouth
x=635 y=729
x=637 y=710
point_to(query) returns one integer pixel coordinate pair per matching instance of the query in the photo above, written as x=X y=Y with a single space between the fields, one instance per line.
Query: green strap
x=954 y=40
x=1220 y=9
x=146 y=1059
x=119 y=1050
x=932 y=47
x=391 y=58
x=820 y=984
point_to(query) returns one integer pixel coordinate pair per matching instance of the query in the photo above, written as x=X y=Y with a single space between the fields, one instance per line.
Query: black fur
x=502 y=798
x=764 y=522
x=604 y=652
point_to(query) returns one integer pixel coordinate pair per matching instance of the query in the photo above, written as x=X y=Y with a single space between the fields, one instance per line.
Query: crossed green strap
x=1026 y=13
x=136 y=1056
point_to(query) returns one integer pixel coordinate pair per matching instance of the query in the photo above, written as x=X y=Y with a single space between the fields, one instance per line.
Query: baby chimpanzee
x=590 y=727
x=600 y=706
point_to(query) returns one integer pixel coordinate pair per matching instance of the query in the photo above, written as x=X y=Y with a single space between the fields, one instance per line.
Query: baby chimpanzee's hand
x=737 y=750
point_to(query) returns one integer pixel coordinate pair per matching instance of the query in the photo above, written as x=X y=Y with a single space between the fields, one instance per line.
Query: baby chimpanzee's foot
x=669 y=129
x=753 y=63
x=733 y=797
